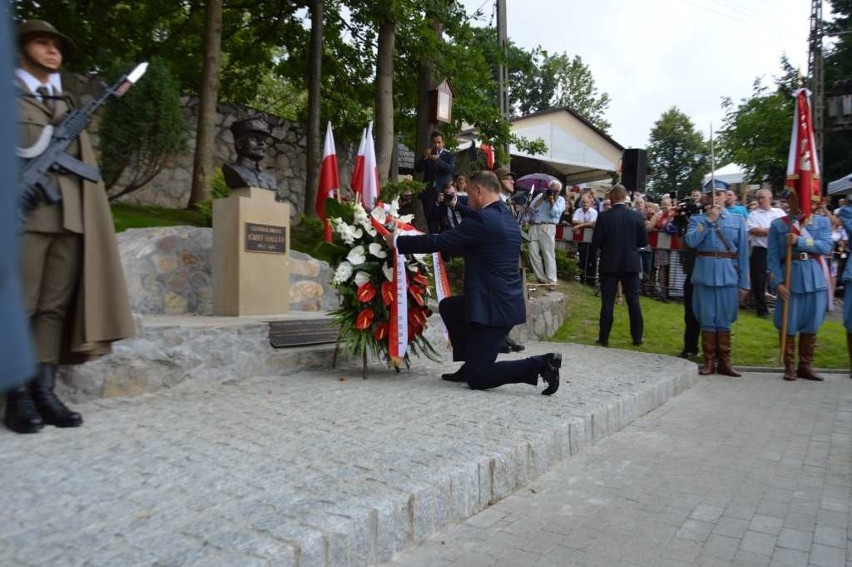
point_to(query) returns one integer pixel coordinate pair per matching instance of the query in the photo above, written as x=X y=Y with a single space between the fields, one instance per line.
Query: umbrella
x=537 y=180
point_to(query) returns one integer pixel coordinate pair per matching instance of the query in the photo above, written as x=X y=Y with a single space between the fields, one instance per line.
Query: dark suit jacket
x=619 y=233
x=438 y=172
x=490 y=241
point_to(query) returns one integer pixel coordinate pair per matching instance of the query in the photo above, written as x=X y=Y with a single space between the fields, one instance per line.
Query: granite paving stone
x=750 y=471
x=319 y=467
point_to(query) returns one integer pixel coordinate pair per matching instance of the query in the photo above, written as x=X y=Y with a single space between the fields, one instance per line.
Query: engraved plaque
x=266 y=238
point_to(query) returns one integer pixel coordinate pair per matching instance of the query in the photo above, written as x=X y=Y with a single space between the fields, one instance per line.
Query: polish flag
x=329 y=180
x=358 y=170
x=488 y=149
x=802 y=163
x=369 y=186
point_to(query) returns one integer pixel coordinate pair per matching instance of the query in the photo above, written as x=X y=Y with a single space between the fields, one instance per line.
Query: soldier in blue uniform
x=806 y=291
x=845 y=215
x=720 y=278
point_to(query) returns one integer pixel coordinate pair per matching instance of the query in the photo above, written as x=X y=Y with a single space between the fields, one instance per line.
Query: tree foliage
x=677 y=153
x=837 y=144
x=142 y=131
x=756 y=132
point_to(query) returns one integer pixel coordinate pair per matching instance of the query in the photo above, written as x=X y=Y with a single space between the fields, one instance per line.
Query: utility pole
x=816 y=76
x=502 y=69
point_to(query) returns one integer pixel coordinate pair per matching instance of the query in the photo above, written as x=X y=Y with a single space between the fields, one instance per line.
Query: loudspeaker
x=634 y=169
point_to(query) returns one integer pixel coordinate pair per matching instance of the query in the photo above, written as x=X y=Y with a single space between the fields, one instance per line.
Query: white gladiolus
x=343 y=273
x=357 y=255
x=377 y=250
x=361 y=278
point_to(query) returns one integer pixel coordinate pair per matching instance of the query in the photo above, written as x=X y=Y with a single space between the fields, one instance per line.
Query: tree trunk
x=314 y=150
x=208 y=95
x=425 y=82
x=384 y=99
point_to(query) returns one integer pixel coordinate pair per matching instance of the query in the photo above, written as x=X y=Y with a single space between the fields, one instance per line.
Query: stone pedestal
x=251 y=261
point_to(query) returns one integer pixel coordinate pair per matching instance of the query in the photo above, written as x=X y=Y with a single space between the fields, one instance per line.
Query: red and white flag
x=329 y=180
x=358 y=170
x=488 y=149
x=802 y=163
x=370 y=174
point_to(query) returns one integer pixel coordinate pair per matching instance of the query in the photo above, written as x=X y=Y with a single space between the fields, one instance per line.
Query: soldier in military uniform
x=720 y=279
x=845 y=215
x=250 y=137
x=807 y=291
x=74 y=289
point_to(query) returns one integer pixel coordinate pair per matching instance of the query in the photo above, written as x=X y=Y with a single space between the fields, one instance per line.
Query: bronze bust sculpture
x=250 y=137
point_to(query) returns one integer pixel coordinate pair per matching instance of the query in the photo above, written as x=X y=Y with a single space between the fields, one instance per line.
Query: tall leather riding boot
x=51 y=408
x=724 y=352
x=708 y=347
x=807 y=343
x=849 y=348
x=21 y=415
x=790 y=358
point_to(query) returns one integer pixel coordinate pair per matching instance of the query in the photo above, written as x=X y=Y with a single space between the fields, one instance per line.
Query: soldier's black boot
x=51 y=408
x=21 y=414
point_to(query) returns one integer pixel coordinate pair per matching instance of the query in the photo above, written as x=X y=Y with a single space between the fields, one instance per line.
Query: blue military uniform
x=721 y=267
x=845 y=215
x=807 y=286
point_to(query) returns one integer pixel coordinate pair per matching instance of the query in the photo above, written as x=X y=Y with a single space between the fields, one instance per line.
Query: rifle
x=49 y=152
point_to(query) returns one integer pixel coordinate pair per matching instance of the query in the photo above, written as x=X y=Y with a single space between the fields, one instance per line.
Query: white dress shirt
x=762 y=218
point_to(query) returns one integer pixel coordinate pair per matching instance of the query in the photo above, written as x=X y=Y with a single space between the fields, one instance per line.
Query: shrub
x=566 y=267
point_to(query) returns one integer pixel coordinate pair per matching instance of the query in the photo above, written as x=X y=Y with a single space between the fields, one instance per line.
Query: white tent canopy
x=841 y=186
x=729 y=174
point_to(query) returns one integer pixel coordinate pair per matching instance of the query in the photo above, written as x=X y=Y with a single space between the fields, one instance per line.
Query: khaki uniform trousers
x=50 y=270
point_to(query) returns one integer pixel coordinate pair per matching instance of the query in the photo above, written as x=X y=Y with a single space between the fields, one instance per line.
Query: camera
x=549 y=192
x=434 y=151
x=684 y=210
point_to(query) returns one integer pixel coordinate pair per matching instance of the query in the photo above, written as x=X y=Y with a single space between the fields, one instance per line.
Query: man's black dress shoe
x=550 y=373
x=638 y=342
x=515 y=346
x=687 y=354
x=601 y=343
x=457 y=376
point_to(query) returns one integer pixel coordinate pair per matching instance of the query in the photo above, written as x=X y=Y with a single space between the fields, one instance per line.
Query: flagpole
x=712 y=166
x=788 y=267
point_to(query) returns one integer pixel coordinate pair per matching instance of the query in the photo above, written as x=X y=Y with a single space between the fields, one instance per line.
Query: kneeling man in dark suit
x=493 y=302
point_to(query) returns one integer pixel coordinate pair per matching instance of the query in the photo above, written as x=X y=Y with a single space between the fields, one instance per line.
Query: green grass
x=143 y=216
x=754 y=340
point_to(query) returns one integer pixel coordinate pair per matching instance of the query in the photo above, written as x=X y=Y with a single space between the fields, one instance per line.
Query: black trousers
x=757 y=269
x=588 y=258
x=691 y=326
x=630 y=284
x=478 y=345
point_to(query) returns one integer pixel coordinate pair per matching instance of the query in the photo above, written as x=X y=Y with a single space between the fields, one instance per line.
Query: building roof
x=577 y=151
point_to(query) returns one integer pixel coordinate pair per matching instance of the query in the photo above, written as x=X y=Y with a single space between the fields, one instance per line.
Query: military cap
x=252 y=124
x=503 y=172
x=32 y=27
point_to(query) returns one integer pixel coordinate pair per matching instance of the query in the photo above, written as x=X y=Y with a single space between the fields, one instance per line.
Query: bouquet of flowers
x=383 y=297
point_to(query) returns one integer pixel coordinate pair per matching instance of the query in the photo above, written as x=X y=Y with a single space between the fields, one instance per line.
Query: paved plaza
x=315 y=468
x=736 y=471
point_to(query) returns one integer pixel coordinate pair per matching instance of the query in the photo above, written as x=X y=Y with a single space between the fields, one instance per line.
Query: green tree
x=837 y=144
x=559 y=80
x=677 y=154
x=142 y=131
x=756 y=132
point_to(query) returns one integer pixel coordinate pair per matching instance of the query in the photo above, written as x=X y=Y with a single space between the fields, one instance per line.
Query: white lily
x=357 y=255
x=377 y=250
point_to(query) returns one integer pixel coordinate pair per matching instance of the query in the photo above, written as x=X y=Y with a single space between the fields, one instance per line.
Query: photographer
x=451 y=207
x=438 y=166
x=692 y=328
x=545 y=211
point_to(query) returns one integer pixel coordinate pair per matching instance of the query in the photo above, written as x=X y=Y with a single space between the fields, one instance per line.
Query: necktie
x=46 y=98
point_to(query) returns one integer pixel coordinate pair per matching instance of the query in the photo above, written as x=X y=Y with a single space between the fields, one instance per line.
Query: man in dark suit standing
x=493 y=300
x=619 y=234
x=438 y=165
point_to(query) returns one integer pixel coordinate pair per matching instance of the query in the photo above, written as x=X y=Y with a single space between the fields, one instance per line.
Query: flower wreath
x=382 y=294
